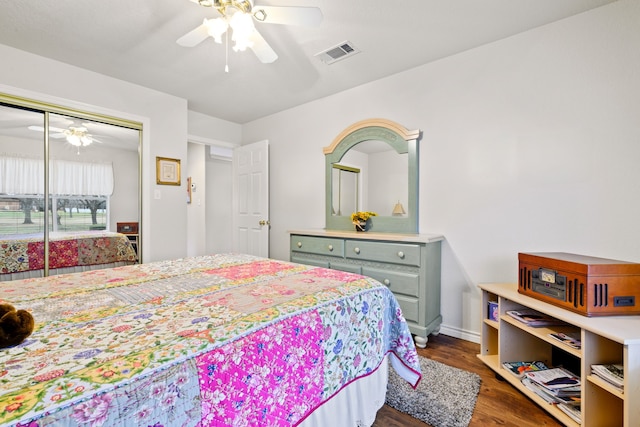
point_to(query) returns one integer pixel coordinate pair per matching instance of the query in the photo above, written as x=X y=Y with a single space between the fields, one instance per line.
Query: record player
x=587 y=285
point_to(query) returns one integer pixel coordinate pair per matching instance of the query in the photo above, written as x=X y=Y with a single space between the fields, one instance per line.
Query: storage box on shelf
x=408 y=264
x=611 y=339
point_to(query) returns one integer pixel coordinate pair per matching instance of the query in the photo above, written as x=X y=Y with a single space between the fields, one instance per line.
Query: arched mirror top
x=384 y=183
x=397 y=136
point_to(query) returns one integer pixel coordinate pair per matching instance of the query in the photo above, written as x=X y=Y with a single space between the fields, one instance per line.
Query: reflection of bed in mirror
x=210 y=340
x=22 y=256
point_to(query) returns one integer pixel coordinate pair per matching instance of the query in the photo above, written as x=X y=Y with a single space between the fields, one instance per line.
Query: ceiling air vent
x=337 y=53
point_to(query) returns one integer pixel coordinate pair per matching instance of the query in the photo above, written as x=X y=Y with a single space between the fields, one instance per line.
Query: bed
x=215 y=340
x=22 y=256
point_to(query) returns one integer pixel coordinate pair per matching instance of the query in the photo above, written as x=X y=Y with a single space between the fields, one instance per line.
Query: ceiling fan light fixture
x=216 y=28
x=86 y=140
x=242 y=25
x=74 y=140
x=78 y=136
x=260 y=15
x=205 y=3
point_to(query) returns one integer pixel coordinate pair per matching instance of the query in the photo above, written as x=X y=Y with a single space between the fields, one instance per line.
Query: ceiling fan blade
x=288 y=15
x=41 y=129
x=261 y=48
x=195 y=36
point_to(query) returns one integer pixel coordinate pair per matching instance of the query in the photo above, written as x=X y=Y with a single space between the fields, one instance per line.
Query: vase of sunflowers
x=362 y=220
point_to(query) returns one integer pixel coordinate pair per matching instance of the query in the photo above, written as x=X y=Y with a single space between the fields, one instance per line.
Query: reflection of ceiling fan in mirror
x=75 y=134
x=239 y=17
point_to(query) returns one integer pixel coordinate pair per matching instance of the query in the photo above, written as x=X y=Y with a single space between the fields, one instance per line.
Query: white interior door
x=251 y=199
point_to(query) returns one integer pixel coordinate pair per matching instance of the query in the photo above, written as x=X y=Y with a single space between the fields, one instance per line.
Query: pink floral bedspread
x=69 y=249
x=222 y=340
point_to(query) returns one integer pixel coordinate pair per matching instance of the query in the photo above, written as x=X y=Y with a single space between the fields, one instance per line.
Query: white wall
x=213 y=130
x=531 y=143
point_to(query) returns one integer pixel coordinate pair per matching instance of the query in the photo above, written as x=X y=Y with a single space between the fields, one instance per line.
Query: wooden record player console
x=586 y=285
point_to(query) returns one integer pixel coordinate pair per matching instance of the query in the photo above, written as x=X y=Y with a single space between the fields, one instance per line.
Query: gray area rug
x=445 y=397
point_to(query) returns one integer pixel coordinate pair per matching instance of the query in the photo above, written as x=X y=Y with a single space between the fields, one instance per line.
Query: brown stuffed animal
x=15 y=325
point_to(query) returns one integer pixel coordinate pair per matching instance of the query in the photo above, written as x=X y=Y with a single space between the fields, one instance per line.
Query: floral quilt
x=26 y=252
x=221 y=340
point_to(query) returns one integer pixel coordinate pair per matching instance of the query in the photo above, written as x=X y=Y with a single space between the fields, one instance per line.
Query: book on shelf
x=611 y=373
x=534 y=318
x=519 y=368
x=572 y=339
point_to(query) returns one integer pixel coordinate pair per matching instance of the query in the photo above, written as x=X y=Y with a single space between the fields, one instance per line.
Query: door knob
x=264 y=222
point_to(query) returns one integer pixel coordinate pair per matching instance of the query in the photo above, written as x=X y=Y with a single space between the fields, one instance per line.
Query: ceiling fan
x=239 y=16
x=75 y=134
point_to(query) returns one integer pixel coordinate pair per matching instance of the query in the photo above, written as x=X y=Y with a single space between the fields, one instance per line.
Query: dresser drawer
x=317 y=245
x=349 y=268
x=409 y=308
x=397 y=281
x=397 y=253
x=310 y=261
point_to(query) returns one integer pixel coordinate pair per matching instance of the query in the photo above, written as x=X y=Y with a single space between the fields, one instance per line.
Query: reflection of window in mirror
x=384 y=177
x=345 y=190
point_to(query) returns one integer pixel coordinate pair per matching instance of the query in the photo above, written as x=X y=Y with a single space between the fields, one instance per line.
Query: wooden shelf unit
x=608 y=339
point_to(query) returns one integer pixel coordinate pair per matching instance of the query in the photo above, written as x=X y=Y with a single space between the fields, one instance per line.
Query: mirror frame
x=402 y=141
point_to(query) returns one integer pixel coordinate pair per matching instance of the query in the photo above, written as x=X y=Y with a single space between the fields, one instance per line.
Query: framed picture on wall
x=167 y=171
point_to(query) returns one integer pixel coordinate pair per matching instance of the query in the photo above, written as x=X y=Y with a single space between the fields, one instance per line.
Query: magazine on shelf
x=550 y=397
x=572 y=339
x=557 y=381
x=519 y=368
x=537 y=389
x=573 y=411
x=612 y=373
x=534 y=318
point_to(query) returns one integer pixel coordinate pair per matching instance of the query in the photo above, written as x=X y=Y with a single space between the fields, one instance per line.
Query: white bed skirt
x=355 y=405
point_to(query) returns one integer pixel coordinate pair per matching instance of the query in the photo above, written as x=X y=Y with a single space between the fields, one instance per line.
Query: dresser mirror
x=373 y=166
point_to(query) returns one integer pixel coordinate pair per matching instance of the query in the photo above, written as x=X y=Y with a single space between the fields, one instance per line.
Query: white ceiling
x=135 y=40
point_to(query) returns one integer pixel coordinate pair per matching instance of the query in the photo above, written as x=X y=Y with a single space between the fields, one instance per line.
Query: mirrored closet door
x=63 y=174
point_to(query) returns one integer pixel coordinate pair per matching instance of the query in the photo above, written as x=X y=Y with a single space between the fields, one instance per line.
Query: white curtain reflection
x=25 y=176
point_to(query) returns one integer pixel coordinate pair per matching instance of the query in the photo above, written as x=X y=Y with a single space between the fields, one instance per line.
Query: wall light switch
x=157 y=194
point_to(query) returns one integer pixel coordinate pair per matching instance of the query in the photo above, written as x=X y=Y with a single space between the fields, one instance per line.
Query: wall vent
x=337 y=53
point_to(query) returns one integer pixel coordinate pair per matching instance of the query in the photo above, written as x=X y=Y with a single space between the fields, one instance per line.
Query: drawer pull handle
x=401 y=255
x=330 y=248
x=299 y=244
x=387 y=282
x=356 y=250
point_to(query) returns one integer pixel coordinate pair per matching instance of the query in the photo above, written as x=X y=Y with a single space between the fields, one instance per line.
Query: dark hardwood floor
x=499 y=404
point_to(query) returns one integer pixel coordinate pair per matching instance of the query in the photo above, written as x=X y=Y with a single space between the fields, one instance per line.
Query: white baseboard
x=460 y=333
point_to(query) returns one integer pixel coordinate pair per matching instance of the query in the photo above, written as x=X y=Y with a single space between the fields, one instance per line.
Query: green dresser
x=409 y=265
